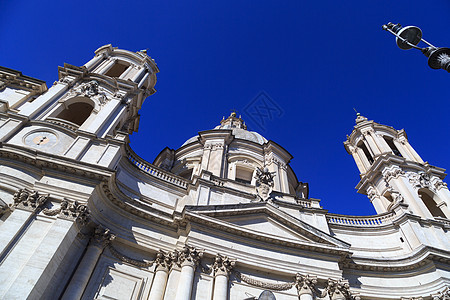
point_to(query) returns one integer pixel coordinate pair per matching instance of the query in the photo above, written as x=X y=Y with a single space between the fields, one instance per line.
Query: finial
x=233 y=113
x=144 y=51
x=357 y=113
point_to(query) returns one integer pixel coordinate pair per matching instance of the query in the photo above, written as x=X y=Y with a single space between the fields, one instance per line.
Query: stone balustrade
x=361 y=221
x=155 y=171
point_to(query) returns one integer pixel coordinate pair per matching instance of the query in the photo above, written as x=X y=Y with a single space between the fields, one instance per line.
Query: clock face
x=41 y=140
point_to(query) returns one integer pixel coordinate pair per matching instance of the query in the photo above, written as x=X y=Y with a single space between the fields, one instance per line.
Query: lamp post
x=410 y=36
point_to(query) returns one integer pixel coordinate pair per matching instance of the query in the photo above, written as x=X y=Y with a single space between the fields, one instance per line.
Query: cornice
x=137 y=207
x=235 y=230
x=273 y=147
x=415 y=260
x=10 y=77
x=45 y=160
x=268 y=209
x=207 y=179
x=388 y=160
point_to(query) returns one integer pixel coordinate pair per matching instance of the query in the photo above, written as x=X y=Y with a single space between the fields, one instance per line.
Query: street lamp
x=410 y=36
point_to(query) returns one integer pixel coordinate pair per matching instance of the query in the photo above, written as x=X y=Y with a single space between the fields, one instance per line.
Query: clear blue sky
x=316 y=59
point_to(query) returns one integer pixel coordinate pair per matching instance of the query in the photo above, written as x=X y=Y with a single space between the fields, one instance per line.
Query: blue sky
x=316 y=60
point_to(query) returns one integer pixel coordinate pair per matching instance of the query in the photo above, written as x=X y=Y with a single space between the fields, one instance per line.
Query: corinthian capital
x=339 y=289
x=305 y=284
x=163 y=261
x=222 y=265
x=190 y=256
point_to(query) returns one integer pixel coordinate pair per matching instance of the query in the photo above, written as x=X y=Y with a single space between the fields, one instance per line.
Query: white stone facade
x=222 y=217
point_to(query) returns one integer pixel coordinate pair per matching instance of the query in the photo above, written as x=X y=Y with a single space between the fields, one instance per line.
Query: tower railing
x=154 y=171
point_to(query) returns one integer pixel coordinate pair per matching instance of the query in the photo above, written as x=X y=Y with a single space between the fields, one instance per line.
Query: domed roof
x=237 y=125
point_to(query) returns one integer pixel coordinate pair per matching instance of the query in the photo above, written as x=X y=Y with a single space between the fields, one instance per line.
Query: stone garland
x=126 y=259
x=77 y=211
x=263 y=284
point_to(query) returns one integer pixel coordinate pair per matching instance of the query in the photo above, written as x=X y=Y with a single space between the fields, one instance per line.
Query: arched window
x=391 y=144
x=76 y=112
x=363 y=147
x=430 y=203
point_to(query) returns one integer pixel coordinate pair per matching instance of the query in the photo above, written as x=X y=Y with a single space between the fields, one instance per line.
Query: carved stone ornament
x=306 y=285
x=91 y=90
x=129 y=260
x=102 y=237
x=263 y=284
x=77 y=211
x=27 y=199
x=163 y=261
x=338 y=289
x=264 y=183
x=222 y=265
x=439 y=184
x=335 y=289
x=190 y=256
x=372 y=193
x=421 y=180
x=444 y=295
x=393 y=172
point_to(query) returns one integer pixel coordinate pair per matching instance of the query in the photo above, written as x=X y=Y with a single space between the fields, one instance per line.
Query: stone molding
x=29 y=199
x=392 y=172
x=42 y=160
x=223 y=265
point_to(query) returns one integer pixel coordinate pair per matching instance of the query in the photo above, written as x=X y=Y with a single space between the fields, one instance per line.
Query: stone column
x=158 y=288
x=138 y=74
x=93 y=62
x=372 y=144
x=305 y=286
x=222 y=268
x=107 y=66
x=189 y=258
x=101 y=238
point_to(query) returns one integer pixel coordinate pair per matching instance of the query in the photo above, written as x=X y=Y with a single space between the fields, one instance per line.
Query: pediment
x=263 y=221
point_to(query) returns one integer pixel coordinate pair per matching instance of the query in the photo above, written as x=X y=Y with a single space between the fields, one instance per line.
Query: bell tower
x=88 y=113
x=393 y=174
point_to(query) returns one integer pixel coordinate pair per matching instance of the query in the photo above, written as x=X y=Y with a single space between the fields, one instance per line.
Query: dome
x=237 y=125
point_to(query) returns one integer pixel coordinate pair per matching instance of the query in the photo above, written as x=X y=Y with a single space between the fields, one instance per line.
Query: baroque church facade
x=222 y=217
